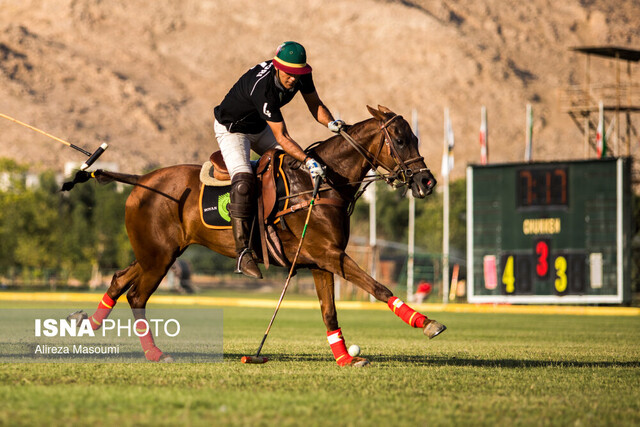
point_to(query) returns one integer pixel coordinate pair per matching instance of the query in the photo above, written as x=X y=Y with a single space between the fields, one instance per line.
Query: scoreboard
x=553 y=232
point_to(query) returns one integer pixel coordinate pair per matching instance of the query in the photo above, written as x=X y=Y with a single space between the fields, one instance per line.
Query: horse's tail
x=102 y=176
x=105 y=177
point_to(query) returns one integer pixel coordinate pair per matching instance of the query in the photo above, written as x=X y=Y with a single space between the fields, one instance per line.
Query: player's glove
x=314 y=168
x=336 y=126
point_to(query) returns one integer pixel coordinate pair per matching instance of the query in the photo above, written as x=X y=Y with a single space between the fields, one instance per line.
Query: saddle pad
x=213 y=206
x=214 y=200
x=207 y=178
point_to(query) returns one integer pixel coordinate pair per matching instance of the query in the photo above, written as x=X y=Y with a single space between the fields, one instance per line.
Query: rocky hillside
x=144 y=76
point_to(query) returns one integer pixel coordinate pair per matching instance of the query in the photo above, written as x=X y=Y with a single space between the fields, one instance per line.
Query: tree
x=392 y=211
x=44 y=231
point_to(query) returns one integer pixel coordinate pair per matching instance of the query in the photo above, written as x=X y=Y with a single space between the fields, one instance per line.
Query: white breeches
x=236 y=147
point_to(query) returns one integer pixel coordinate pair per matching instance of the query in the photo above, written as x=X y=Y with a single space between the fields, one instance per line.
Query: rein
x=401 y=168
x=400 y=172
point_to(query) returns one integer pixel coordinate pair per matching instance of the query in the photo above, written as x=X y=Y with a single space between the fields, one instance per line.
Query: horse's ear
x=385 y=109
x=376 y=114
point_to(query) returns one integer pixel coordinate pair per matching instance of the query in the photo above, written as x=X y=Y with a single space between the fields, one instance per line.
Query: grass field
x=486 y=369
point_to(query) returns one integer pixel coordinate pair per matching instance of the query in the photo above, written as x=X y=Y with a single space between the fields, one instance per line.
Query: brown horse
x=162 y=220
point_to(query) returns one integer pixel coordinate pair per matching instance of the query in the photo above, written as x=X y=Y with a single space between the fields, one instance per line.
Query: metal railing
x=579 y=98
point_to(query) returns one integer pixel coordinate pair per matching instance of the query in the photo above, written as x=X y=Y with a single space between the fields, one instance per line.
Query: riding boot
x=241 y=212
x=245 y=264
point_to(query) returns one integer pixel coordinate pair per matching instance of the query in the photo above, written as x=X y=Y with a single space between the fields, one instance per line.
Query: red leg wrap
x=406 y=313
x=338 y=347
x=151 y=352
x=103 y=311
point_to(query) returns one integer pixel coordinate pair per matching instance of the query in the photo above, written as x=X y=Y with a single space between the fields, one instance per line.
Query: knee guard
x=242 y=194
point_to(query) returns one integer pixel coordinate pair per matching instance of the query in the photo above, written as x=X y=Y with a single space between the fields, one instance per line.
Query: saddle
x=215 y=173
x=272 y=183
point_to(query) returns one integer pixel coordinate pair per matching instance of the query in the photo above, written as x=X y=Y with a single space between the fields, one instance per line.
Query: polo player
x=249 y=118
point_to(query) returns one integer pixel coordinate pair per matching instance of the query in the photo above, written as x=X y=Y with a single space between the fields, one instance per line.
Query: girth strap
x=303 y=205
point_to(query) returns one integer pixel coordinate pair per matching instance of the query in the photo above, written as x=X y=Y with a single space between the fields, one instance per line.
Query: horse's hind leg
x=141 y=284
x=325 y=290
x=340 y=263
x=120 y=282
x=138 y=296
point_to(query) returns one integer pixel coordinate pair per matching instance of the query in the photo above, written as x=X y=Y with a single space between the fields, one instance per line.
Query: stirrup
x=251 y=269
x=244 y=252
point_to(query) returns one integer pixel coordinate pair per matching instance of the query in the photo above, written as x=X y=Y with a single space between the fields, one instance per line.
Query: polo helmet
x=291 y=58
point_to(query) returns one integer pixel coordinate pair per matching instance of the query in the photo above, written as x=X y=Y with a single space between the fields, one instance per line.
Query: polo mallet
x=92 y=156
x=257 y=359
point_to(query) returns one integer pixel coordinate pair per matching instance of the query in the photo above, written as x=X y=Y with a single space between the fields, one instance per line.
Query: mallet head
x=94 y=156
x=254 y=359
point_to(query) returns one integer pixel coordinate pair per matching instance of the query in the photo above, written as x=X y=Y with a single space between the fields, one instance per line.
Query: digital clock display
x=542 y=187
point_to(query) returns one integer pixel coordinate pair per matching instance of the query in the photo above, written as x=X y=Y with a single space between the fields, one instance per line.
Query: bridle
x=398 y=176
x=401 y=171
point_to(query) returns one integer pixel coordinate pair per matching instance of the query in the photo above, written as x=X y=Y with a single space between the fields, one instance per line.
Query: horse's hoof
x=433 y=329
x=79 y=316
x=359 y=362
x=165 y=358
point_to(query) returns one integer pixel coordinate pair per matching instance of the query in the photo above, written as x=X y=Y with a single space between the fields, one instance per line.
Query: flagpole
x=484 y=137
x=373 y=236
x=601 y=135
x=412 y=223
x=445 y=211
x=529 y=133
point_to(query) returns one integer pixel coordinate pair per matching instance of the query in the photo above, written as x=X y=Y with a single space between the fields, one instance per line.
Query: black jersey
x=257 y=98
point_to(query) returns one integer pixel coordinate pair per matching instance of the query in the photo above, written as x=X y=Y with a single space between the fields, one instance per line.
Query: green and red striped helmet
x=291 y=58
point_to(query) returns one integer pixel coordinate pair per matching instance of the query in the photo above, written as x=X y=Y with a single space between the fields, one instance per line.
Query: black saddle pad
x=213 y=206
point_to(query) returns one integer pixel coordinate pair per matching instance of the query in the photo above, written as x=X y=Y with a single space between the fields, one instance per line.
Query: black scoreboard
x=556 y=232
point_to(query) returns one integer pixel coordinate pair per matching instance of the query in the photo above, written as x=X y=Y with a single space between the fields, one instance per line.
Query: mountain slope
x=145 y=76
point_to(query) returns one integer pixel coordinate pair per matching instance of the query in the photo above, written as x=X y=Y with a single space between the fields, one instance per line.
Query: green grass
x=486 y=369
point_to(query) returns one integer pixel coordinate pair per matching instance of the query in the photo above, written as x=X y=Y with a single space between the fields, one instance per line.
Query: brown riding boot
x=245 y=264
x=241 y=211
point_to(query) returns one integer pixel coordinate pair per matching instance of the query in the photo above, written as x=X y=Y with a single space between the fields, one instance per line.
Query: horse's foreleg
x=340 y=263
x=325 y=290
x=120 y=282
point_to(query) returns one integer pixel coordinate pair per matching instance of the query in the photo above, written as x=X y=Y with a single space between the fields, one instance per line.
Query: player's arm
x=318 y=110
x=322 y=113
x=287 y=143
x=292 y=148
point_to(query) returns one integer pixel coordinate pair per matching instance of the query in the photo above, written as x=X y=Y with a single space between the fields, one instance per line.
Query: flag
x=484 y=151
x=601 y=137
x=447 y=155
x=529 y=143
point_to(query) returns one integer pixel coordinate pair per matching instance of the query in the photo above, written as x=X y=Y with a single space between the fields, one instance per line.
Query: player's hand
x=314 y=168
x=336 y=126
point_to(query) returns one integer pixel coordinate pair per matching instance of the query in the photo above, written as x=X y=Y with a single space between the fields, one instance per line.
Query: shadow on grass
x=122 y=357
x=442 y=361
x=505 y=363
x=298 y=357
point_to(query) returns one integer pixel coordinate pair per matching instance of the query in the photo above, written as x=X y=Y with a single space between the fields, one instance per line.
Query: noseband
x=400 y=171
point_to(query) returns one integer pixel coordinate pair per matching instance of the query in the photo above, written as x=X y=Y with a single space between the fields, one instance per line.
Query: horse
x=162 y=219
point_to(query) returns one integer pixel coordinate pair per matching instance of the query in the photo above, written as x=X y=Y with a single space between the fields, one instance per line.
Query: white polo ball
x=354 y=350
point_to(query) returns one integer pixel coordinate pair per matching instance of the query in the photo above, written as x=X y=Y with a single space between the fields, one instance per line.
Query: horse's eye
x=400 y=142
